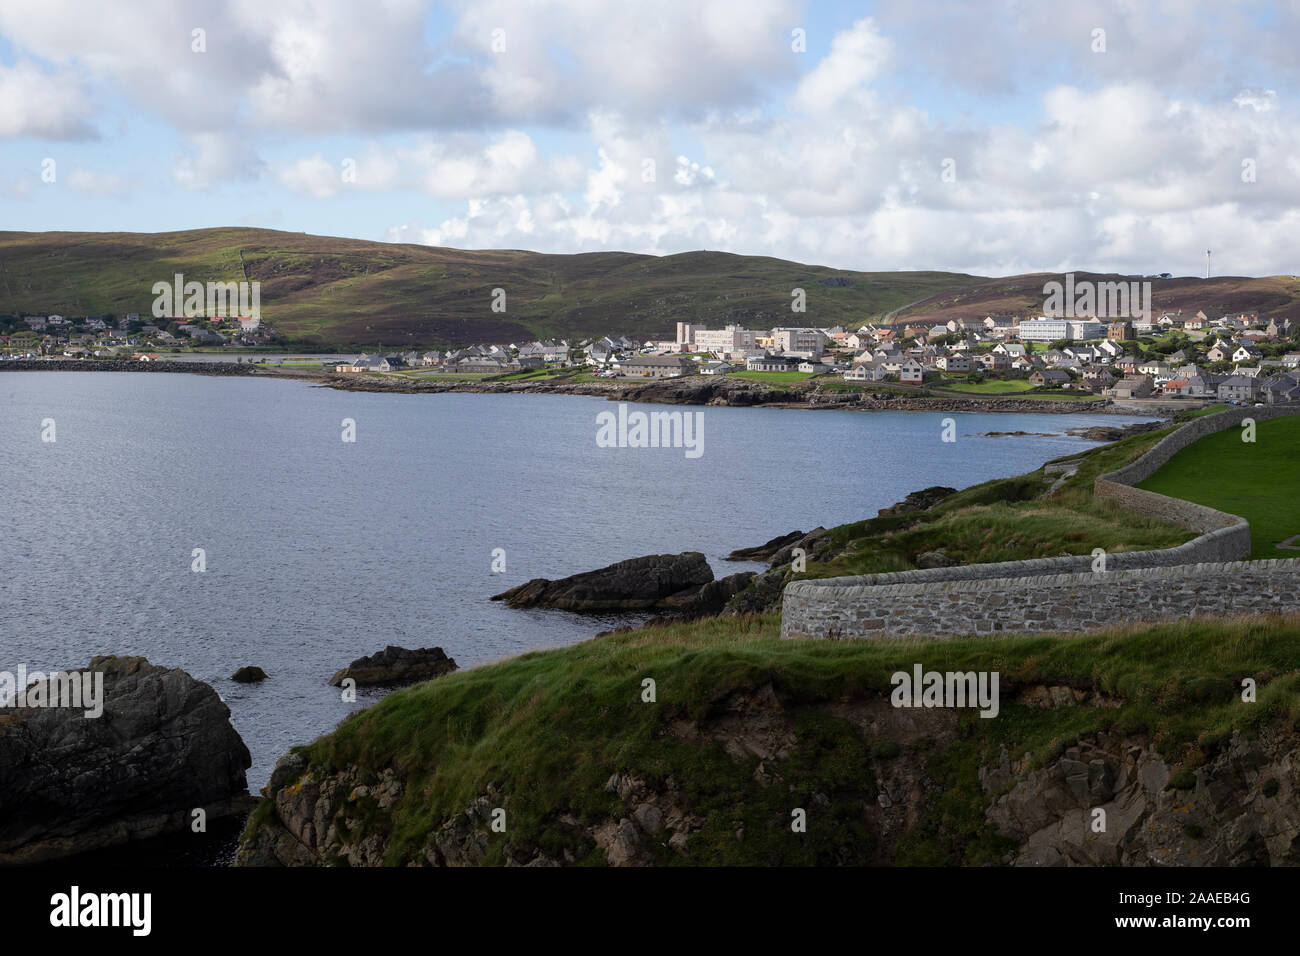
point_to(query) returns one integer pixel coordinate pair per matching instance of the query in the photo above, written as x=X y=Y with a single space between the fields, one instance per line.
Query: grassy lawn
x=550 y=727
x=1066 y=397
x=989 y=387
x=422 y=375
x=538 y=373
x=1255 y=480
x=774 y=376
x=1201 y=412
x=893 y=388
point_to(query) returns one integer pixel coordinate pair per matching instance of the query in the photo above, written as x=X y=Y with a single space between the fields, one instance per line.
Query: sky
x=994 y=137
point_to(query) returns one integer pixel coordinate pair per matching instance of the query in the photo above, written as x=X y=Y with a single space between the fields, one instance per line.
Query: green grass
x=1017 y=387
x=991 y=386
x=889 y=388
x=773 y=376
x=550 y=727
x=1201 y=412
x=1065 y=397
x=1257 y=480
x=1007 y=520
x=539 y=373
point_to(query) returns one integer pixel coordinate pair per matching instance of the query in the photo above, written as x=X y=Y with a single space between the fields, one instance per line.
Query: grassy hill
x=319 y=290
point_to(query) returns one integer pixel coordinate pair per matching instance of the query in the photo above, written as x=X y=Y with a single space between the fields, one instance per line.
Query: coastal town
x=1234 y=358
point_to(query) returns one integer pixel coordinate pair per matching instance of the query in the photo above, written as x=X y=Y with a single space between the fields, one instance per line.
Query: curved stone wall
x=1043 y=603
x=987 y=598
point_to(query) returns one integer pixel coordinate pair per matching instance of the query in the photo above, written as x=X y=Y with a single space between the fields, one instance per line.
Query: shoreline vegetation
x=815 y=393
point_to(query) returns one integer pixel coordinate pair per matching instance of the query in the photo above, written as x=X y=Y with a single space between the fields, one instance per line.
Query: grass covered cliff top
x=549 y=729
x=1007 y=519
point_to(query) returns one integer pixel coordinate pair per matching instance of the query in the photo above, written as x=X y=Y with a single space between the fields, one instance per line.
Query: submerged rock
x=653 y=582
x=248 y=675
x=162 y=747
x=396 y=665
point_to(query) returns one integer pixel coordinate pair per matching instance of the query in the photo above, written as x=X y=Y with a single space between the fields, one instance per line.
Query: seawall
x=1206 y=575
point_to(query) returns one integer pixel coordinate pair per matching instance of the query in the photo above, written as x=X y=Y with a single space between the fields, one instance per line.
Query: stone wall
x=1047 y=603
x=1203 y=575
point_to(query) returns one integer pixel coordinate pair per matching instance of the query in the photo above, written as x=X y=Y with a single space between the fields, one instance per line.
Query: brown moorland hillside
x=1022 y=295
x=326 y=291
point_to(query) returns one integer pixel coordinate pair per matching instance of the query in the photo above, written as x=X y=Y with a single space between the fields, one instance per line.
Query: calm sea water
x=319 y=551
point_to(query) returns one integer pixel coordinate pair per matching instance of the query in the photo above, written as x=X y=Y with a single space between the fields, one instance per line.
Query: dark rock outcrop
x=1111 y=433
x=653 y=582
x=764 y=552
x=162 y=747
x=918 y=501
x=248 y=675
x=396 y=665
x=763 y=596
x=708 y=601
x=815 y=543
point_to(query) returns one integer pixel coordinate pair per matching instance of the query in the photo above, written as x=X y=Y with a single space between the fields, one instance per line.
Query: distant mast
x=1207 y=263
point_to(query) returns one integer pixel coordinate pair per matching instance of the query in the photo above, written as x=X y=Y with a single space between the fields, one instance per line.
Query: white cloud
x=857 y=56
x=660 y=127
x=43 y=105
x=313 y=176
x=216 y=158
x=1259 y=100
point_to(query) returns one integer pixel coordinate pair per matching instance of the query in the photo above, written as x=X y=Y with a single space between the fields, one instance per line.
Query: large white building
x=733 y=340
x=805 y=343
x=1051 y=330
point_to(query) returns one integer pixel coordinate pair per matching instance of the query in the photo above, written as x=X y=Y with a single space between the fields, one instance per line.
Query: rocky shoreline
x=692 y=390
x=162 y=365
x=719 y=390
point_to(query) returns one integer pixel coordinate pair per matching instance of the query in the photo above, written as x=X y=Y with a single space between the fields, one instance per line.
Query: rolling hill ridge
x=345 y=292
x=321 y=291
